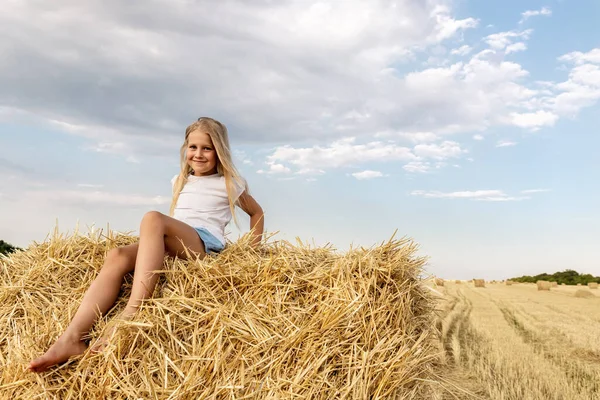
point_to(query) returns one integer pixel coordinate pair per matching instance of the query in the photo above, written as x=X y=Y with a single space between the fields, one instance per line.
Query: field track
x=515 y=342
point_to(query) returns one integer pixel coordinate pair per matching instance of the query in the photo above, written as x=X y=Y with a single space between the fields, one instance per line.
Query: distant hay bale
x=439 y=282
x=593 y=285
x=554 y=284
x=284 y=321
x=543 y=285
x=479 y=282
x=583 y=293
x=563 y=284
x=579 y=284
x=509 y=283
x=458 y=282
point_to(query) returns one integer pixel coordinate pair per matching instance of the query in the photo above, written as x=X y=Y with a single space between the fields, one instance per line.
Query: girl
x=204 y=196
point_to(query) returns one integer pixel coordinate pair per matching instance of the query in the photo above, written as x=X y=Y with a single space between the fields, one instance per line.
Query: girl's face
x=201 y=154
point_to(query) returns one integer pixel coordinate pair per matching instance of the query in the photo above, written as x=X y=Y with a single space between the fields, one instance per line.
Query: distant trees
x=7 y=248
x=568 y=276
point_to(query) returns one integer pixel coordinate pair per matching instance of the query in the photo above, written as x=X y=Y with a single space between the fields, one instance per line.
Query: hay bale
x=593 y=285
x=479 y=282
x=509 y=283
x=553 y=284
x=579 y=284
x=543 y=285
x=458 y=282
x=282 y=322
x=439 y=282
x=583 y=293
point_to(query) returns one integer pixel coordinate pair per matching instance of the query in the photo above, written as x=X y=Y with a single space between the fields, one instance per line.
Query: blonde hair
x=225 y=167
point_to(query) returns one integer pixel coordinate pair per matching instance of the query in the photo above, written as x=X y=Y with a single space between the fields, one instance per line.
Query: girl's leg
x=159 y=234
x=98 y=299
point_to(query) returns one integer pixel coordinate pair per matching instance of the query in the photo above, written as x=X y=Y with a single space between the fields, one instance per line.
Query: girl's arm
x=257 y=220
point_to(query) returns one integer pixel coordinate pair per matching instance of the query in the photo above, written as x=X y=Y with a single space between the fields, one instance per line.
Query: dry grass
x=479 y=282
x=543 y=285
x=439 y=282
x=517 y=343
x=285 y=322
x=583 y=293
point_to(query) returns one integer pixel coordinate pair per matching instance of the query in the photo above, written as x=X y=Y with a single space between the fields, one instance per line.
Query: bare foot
x=59 y=352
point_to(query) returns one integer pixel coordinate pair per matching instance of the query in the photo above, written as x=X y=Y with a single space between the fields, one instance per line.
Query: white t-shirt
x=203 y=203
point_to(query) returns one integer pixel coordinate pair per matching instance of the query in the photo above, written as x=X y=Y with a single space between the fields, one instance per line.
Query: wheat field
x=515 y=342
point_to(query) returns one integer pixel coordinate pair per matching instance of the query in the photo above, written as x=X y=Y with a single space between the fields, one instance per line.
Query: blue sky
x=470 y=127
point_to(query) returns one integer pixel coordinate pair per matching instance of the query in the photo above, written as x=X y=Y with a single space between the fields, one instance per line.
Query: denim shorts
x=211 y=243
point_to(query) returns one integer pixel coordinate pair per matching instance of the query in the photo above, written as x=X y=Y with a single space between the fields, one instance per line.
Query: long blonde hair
x=225 y=167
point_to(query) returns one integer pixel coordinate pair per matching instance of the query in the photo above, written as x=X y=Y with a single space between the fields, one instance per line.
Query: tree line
x=568 y=276
x=7 y=248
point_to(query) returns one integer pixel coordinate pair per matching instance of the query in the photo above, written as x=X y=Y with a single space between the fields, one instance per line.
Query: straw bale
x=554 y=284
x=439 y=282
x=593 y=285
x=579 y=284
x=286 y=321
x=458 y=282
x=479 y=282
x=543 y=285
x=584 y=293
x=509 y=283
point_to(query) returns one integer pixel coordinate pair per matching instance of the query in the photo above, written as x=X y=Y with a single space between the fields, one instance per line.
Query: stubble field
x=515 y=342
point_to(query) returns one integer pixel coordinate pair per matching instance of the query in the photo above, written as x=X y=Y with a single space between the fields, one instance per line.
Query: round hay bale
x=479 y=282
x=543 y=285
x=593 y=285
x=284 y=321
x=439 y=282
x=583 y=293
x=579 y=284
x=458 y=282
x=554 y=284
x=509 y=283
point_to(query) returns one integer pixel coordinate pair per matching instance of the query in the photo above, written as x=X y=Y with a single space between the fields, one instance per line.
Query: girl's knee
x=118 y=258
x=152 y=218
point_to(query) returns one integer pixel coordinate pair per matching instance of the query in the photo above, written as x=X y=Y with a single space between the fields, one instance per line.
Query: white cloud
x=241 y=156
x=478 y=137
x=533 y=120
x=513 y=48
x=275 y=168
x=532 y=13
x=97 y=197
x=500 y=41
x=442 y=151
x=479 y=195
x=341 y=153
x=90 y=185
x=367 y=174
x=462 y=50
x=530 y=191
x=141 y=74
x=505 y=143
x=578 y=58
x=417 y=166
x=315 y=72
x=414 y=137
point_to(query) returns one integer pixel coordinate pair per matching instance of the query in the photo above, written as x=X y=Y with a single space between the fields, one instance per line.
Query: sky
x=467 y=126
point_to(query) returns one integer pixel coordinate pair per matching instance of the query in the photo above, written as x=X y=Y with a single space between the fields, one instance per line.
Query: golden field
x=520 y=343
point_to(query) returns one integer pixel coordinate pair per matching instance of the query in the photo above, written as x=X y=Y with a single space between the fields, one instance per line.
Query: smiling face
x=201 y=154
